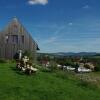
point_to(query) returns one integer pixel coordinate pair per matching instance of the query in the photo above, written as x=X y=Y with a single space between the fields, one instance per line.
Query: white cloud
x=86 y=7
x=33 y=2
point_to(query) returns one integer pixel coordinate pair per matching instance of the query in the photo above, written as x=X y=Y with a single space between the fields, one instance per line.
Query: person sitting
x=25 y=60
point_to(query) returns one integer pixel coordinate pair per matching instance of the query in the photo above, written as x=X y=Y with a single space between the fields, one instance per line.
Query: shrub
x=97 y=68
x=69 y=63
x=29 y=54
x=53 y=66
x=76 y=67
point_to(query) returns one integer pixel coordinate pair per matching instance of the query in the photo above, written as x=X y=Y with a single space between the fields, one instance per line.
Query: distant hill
x=64 y=54
x=77 y=54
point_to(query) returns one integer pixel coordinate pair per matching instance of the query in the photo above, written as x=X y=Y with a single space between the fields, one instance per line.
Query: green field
x=15 y=85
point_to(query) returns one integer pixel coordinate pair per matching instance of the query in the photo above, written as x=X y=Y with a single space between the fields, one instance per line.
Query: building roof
x=15 y=21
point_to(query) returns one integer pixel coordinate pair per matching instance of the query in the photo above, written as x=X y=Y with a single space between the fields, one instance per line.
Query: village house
x=90 y=65
x=15 y=38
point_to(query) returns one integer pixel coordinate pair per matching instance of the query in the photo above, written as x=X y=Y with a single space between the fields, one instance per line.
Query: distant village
x=79 y=64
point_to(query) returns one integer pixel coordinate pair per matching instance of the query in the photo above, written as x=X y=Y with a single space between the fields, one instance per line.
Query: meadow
x=57 y=85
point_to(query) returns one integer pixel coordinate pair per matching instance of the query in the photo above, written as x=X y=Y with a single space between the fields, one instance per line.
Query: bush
x=53 y=66
x=97 y=68
x=69 y=63
x=28 y=54
x=76 y=67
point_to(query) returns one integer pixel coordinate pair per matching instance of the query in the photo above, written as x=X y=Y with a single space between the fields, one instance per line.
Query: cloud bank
x=34 y=2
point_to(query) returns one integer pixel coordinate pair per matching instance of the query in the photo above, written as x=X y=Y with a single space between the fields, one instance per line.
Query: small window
x=22 y=39
x=15 y=38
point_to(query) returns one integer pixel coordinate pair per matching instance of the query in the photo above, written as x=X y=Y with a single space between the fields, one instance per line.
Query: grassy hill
x=15 y=85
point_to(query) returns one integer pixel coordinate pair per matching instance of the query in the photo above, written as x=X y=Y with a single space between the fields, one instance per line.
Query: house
x=14 y=38
x=90 y=65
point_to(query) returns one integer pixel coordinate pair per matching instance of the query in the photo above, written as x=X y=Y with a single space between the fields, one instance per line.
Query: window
x=15 y=38
x=22 y=39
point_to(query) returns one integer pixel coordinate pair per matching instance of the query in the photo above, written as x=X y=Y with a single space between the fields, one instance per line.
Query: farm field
x=58 y=85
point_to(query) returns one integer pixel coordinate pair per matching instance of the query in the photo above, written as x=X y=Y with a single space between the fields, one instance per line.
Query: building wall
x=9 y=44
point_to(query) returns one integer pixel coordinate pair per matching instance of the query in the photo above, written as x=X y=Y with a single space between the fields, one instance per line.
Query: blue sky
x=57 y=25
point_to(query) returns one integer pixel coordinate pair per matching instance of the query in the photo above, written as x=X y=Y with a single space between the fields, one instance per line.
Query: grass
x=15 y=85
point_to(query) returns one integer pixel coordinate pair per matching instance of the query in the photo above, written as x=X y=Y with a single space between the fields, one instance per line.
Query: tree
x=76 y=67
x=28 y=54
